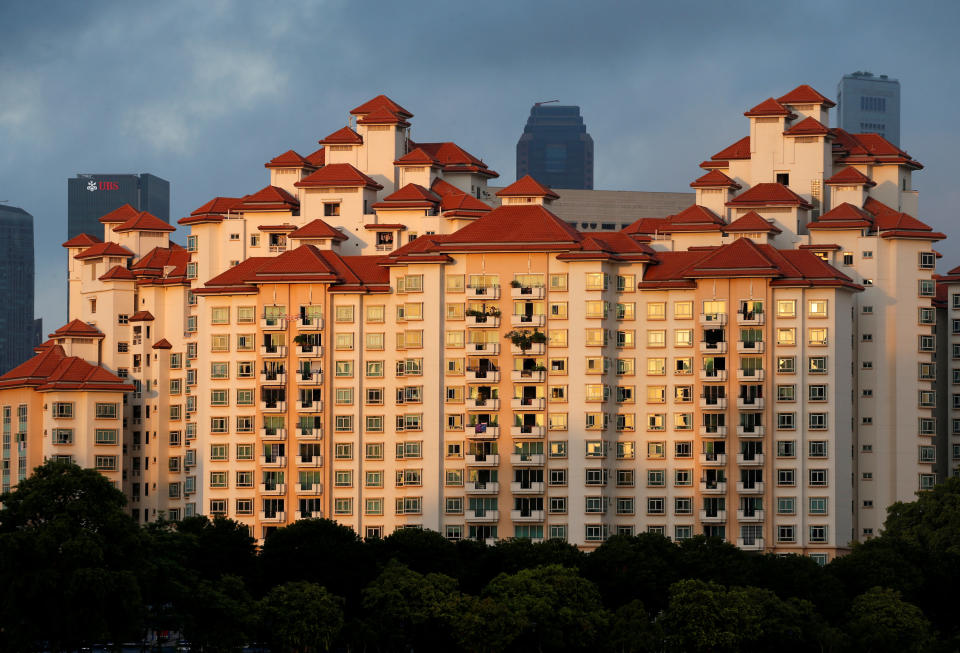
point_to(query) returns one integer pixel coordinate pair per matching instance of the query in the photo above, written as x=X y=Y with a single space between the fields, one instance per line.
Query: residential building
x=868 y=103
x=363 y=339
x=555 y=147
x=90 y=196
x=16 y=287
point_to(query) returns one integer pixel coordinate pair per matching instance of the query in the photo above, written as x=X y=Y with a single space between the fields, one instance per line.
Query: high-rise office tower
x=17 y=337
x=868 y=103
x=90 y=196
x=555 y=148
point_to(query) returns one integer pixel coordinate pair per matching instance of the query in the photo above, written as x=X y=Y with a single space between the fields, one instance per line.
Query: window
x=683 y=310
x=106 y=436
x=343 y=314
x=786 y=505
x=786 y=477
x=817 y=308
x=786 y=365
x=928 y=260
x=786 y=393
x=926 y=288
x=683 y=506
x=106 y=411
x=786 y=308
x=786 y=534
x=817 y=393
x=786 y=448
x=786 y=337
x=786 y=421
x=63 y=409
x=818 y=478
x=818 y=365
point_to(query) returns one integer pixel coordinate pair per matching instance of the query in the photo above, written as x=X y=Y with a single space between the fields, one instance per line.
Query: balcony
x=310 y=514
x=486 y=405
x=750 y=375
x=713 y=431
x=750 y=403
x=750 y=318
x=750 y=488
x=483 y=460
x=309 y=351
x=754 y=347
x=273 y=351
x=713 y=403
x=482 y=376
x=528 y=459
x=711 y=319
x=273 y=517
x=310 y=323
x=273 y=378
x=483 y=487
x=750 y=544
x=713 y=516
x=483 y=292
x=273 y=406
x=273 y=461
x=713 y=459
x=481 y=321
x=314 y=433
x=533 y=292
x=713 y=347
x=713 y=487
x=313 y=406
x=753 y=515
x=755 y=431
x=536 y=349
x=313 y=488
x=483 y=348
x=479 y=432
x=312 y=461
x=526 y=515
x=273 y=434
x=483 y=515
x=314 y=377
x=531 y=403
x=527 y=488
x=527 y=431
x=528 y=376
x=746 y=459
x=528 y=320
x=273 y=488
x=273 y=323
x=713 y=375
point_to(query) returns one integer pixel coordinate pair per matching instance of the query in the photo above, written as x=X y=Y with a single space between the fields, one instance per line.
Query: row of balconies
x=493 y=459
x=315 y=377
x=493 y=404
x=281 y=461
x=750 y=318
x=720 y=403
x=476 y=375
x=493 y=487
x=314 y=406
x=493 y=292
x=718 y=459
x=281 y=488
x=280 y=323
x=280 y=351
x=314 y=433
x=720 y=487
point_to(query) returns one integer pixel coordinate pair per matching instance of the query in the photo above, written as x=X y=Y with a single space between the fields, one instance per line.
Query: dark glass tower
x=17 y=326
x=90 y=197
x=555 y=148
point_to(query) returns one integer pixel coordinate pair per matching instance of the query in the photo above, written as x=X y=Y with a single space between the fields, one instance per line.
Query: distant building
x=555 y=148
x=17 y=337
x=868 y=103
x=90 y=196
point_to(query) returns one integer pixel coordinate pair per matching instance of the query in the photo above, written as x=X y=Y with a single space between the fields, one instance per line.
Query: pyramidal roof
x=82 y=240
x=850 y=176
x=77 y=328
x=518 y=224
x=808 y=127
x=713 y=179
x=337 y=174
x=317 y=229
x=769 y=194
x=144 y=221
x=269 y=198
x=288 y=159
x=343 y=136
x=805 y=94
x=527 y=186
x=752 y=222
x=120 y=214
x=381 y=102
x=768 y=107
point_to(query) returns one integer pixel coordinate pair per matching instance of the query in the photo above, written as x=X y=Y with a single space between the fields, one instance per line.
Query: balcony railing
x=314 y=323
x=750 y=403
x=531 y=459
x=491 y=404
x=483 y=431
x=272 y=434
x=528 y=376
x=312 y=433
x=273 y=461
x=311 y=461
x=532 y=487
x=483 y=515
x=483 y=487
x=309 y=351
x=527 y=431
x=273 y=488
x=713 y=431
x=273 y=378
x=713 y=515
x=749 y=515
x=483 y=460
x=750 y=317
x=713 y=459
x=480 y=321
x=750 y=346
x=526 y=515
x=750 y=544
x=312 y=488
x=756 y=487
x=273 y=406
x=713 y=487
x=273 y=323
x=713 y=318
x=754 y=431
x=310 y=406
x=713 y=403
x=532 y=292
x=719 y=347
x=273 y=517
x=523 y=320
x=475 y=375
x=484 y=348
x=536 y=349
x=750 y=459
x=750 y=375
x=313 y=377
x=273 y=351
x=713 y=375
x=483 y=292
x=527 y=403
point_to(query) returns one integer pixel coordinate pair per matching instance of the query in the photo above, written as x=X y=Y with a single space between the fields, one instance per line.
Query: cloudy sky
x=203 y=93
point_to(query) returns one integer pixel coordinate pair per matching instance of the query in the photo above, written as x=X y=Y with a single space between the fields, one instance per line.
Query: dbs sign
x=102 y=185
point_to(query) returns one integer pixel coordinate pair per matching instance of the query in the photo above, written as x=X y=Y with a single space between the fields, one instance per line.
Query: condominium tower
x=17 y=337
x=363 y=339
x=555 y=147
x=90 y=196
x=870 y=103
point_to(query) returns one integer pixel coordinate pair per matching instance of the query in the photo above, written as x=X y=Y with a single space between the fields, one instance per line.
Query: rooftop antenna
x=537 y=104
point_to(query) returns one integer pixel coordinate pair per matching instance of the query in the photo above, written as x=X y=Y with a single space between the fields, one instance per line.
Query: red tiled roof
x=337 y=174
x=276 y=227
x=117 y=272
x=235 y=279
x=808 y=127
x=527 y=186
x=318 y=158
x=82 y=240
x=382 y=116
x=269 y=198
x=616 y=246
x=444 y=188
x=121 y=214
x=843 y=216
x=520 y=224
x=142 y=316
x=104 y=249
x=454 y=158
x=752 y=222
x=805 y=94
x=850 y=176
x=694 y=218
x=713 y=179
x=410 y=196
x=463 y=206
x=163 y=343
x=416 y=157
x=144 y=221
x=768 y=107
x=212 y=211
x=381 y=101
x=769 y=194
x=317 y=229
x=876 y=207
x=739 y=150
x=162 y=266
x=645 y=226
x=870 y=148
x=343 y=136
x=52 y=369
x=77 y=328
x=385 y=226
x=288 y=159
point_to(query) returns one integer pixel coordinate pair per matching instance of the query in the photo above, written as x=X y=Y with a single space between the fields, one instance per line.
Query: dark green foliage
x=300 y=617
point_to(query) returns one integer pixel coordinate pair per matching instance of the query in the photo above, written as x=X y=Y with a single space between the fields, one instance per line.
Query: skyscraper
x=17 y=332
x=555 y=148
x=868 y=103
x=90 y=196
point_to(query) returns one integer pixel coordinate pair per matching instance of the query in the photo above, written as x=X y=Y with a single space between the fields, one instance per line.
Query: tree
x=699 y=618
x=420 y=549
x=300 y=617
x=641 y=567
x=218 y=615
x=69 y=559
x=882 y=621
x=632 y=630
